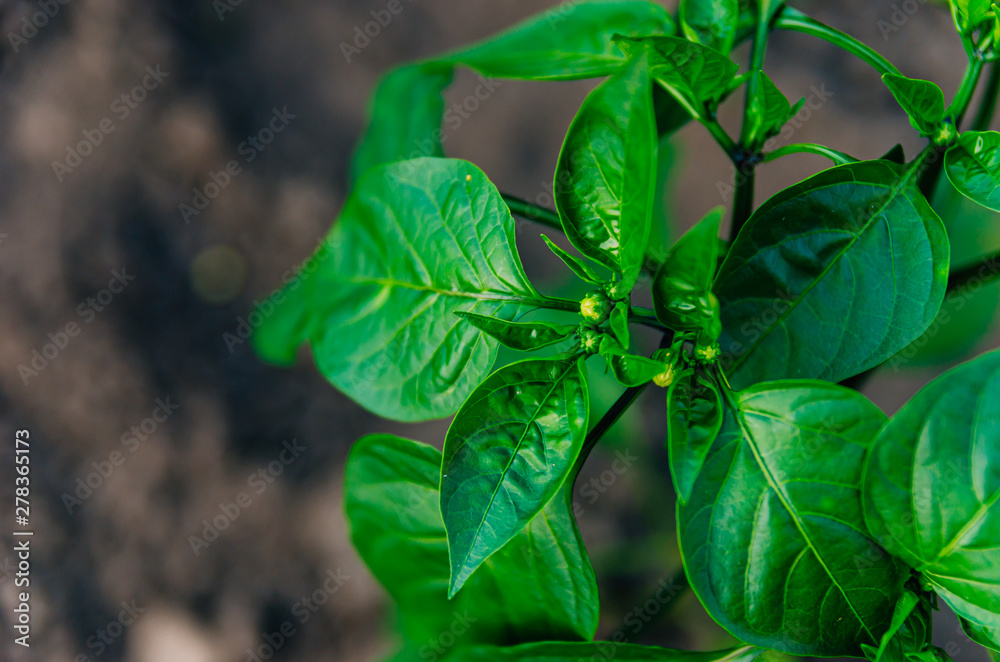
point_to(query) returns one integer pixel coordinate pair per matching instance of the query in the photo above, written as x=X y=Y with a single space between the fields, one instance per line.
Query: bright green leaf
x=694 y=418
x=577 y=266
x=606 y=170
x=832 y=276
x=770 y=109
x=569 y=41
x=696 y=75
x=619 y=323
x=539 y=586
x=393 y=136
x=416 y=242
x=987 y=637
x=630 y=369
x=970 y=14
x=922 y=100
x=598 y=650
x=973 y=166
x=932 y=486
x=710 y=22
x=507 y=453
x=682 y=288
x=522 y=336
x=773 y=537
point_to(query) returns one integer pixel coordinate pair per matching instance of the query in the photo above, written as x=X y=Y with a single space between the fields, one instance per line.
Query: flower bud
x=595 y=307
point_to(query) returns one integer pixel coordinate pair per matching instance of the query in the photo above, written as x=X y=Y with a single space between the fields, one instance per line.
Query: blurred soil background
x=102 y=244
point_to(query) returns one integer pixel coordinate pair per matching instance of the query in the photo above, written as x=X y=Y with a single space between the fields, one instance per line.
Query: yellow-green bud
x=590 y=339
x=595 y=308
x=666 y=378
x=945 y=135
x=707 y=353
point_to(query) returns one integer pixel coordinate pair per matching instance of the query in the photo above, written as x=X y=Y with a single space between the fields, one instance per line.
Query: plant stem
x=965 y=91
x=532 y=212
x=839 y=158
x=645 y=316
x=988 y=105
x=792 y=19
x=757 y=53
x=743 y=202
x=727 y=144
x=637 y=314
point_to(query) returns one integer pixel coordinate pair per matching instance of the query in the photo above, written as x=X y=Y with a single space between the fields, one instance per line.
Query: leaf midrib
x=786 y=502
x=422 y=287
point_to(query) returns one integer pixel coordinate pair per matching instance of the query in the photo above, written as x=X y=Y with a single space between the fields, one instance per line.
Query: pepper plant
x=808 y=522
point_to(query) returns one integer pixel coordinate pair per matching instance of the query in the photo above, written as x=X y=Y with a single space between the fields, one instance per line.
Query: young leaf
x=395 y=136
x=417 y=241
x=577 y=266
x=832 y=276
x=619 y=323
x=539 y=586
x=606 y=170
x=710 y=22
x=970 y=14
x=569 y=41
x=932 y=487
x=973 y=166
x=507 y=453
x=909 y=631
x=694 y=419
x=630 y=369
x=696 y=75
x=773 y=538
x=922 y=100
x=682 y=288
x=522 y=336
x=771 y=109
x=598 y=650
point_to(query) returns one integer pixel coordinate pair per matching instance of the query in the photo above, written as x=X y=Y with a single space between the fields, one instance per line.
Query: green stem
x=644 y=316
x=757 y=53
x=792 y=19
x=965 y=91
x=743 y=202
x=839 y=158
x=988 y=104
x=637 y=314
x=532 y=212
x=727 y=144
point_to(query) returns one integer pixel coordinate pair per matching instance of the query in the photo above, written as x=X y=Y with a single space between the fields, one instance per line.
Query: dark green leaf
x=922 y=100
x=507 y=453
x=416 y=242
x=832 y=276
x=682 y=288
x=539 y=586
x=973 y=166
x=577 y=266
x=896 y=155
x=619 y=323
x=909 y=631
x=606 y=170
x=522 y=336
x=696 y=75
x=694 y=418
x=395 y=136
x=932 y=484
x=773 y=537
x=598 y=650
x=630 y=369
x=569 y=41
x=710 y=22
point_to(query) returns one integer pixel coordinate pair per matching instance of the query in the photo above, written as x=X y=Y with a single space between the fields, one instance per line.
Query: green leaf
x=539 y=586
x=970 y=14
x=909 y=631
x=698 y=76
x=710 y=22
x=416 y=242
x=987 y=637
x=287 y=315
x=394 y=136
x=598 y=650
x=522 y=336
x=507 y=453
x=922 y=100
x=682 y=288
x=771 y=109
x=973 y=166
x=832 y=276
x=577 y=266
x=694 y=419
x=569 y=41
x=932 y=483
x=630 y=369
x=773 y=537
x=619 y=323
x=606 y=171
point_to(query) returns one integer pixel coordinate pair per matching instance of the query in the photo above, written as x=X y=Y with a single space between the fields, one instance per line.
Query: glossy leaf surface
x=932 y=487
x=773 y=537
x=973 y=166
x=539 y=586
x=507 y=453
x=832 y=276
x=922 y=100
x=579 y=267
x=710 y=22
x=606 y=171
x=522 y=336
x=694 y=419
x=682 y=287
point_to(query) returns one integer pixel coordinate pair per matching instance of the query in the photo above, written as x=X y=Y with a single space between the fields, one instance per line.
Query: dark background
x=162 y=336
